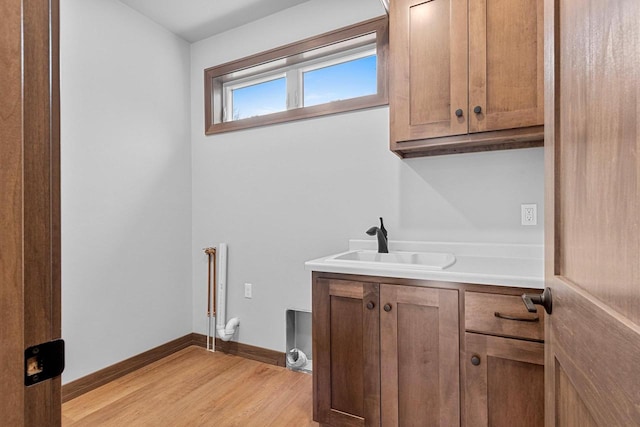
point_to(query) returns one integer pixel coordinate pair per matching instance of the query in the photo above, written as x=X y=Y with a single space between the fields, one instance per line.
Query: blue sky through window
x=341 y=81
x=259 y=99
x=344 y=80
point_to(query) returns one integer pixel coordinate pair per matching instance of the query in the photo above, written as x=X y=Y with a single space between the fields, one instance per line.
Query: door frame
x=30 y=307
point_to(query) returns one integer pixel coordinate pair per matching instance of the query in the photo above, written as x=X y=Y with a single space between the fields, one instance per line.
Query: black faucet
x=381 y=233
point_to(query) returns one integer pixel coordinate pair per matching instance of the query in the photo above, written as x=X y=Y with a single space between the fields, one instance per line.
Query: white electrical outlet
x=247 y=290
x=529 y=214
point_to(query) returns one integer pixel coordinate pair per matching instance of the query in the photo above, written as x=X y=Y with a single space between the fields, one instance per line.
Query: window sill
x=335 y=107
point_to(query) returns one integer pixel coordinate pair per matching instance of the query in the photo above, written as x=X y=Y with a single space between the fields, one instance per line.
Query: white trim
x=339 y=58
x=294 y=88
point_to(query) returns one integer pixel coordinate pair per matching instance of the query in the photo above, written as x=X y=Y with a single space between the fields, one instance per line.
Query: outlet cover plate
x=529 y=214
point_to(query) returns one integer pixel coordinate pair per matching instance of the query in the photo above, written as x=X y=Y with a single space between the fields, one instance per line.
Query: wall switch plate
x=529 y=214
x=247 y=290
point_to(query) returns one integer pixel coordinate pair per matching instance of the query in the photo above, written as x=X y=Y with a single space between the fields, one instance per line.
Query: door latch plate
x=43 y=362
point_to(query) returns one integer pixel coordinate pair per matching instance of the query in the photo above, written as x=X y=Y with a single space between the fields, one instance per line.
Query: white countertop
x=478 y=263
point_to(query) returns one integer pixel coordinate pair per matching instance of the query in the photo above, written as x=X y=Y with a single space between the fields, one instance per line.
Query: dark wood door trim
x=11 y=190
x=41 y=197
x=30 y=205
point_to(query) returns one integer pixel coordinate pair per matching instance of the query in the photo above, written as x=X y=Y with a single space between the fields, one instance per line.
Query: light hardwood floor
x=194 y=387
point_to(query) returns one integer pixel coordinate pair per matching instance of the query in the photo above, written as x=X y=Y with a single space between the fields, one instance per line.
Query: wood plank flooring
x=194 y=387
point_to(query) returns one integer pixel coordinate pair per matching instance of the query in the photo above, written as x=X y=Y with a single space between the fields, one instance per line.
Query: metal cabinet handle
x=475 y=360
x=519 y=319
x=387 y=307
x=543 y=299
x=477 y=109
x=459 y=112
x=370 y=305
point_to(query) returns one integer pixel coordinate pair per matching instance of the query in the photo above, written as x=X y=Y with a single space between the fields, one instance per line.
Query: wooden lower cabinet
x=392 y=355
x=385 y=354
x=346 y=353
x=419 y=335
x=504 y=382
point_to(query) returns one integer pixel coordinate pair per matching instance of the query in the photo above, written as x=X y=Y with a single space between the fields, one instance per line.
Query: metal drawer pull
x=519 y=319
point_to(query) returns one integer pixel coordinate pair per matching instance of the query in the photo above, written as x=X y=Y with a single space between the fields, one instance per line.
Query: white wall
x=126 y=185
x=280 y=195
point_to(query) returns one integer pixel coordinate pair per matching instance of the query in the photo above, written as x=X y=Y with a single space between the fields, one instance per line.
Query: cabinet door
x=346 y=356
x=428 y=68
x=419 y=356
x=506 y=64
x=505 y=387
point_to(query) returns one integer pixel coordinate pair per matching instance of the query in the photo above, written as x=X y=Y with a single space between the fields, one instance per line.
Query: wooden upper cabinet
x=465 y=75
x=505 y=64
x=419 y=334
x=428 y=68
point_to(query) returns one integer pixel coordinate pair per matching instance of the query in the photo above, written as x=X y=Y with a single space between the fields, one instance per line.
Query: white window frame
x=294 y=77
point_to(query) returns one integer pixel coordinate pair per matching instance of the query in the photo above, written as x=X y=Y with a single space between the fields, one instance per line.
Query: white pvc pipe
x=385 y=4
x=225 y=331
x=211 y=343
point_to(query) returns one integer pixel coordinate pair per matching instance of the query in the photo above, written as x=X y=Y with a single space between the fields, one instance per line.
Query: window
x=256 y=97
x=351 y=78
x=339 y=71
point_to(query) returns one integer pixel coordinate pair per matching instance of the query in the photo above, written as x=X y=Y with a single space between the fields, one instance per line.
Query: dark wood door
x=428 y=68
x=592 y=145
x=346 y=356
x=504 y=382
x=29 y=205
x=506 y=78
x=420 y=379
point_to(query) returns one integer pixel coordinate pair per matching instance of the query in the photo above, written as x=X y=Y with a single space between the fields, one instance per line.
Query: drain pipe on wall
x=225 y=331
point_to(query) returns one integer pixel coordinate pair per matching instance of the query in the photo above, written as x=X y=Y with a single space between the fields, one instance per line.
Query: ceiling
x=195 y=20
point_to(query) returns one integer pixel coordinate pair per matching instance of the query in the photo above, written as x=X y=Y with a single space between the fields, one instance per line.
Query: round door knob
x=370 y=305
x=475 y=360
x=477 y=109
x=458 y=112
x=387 y=307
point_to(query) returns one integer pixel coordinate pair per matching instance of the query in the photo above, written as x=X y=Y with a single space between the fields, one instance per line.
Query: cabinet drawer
x=503 y=315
